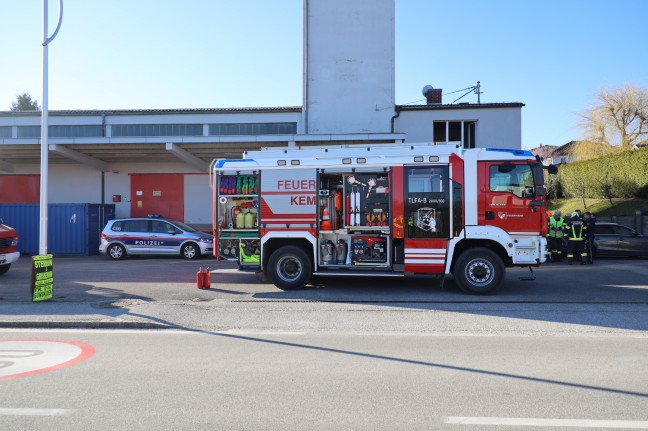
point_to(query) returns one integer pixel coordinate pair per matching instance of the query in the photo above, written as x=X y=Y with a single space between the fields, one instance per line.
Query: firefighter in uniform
x=555 y=236
x=574 y=232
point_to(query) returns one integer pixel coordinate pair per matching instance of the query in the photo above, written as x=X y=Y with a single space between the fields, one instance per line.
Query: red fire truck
x=381 y=210
x=8 y=247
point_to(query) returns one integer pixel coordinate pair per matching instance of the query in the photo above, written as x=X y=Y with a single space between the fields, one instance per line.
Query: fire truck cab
x=380 y=210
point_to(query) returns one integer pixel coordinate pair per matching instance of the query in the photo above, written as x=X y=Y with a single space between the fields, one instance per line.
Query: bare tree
x=24 y=102
x=587 y=150
x=618 y=117
x=580 y=186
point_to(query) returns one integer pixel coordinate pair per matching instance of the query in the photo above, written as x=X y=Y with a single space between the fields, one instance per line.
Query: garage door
x=157 y=194
x=19 y=189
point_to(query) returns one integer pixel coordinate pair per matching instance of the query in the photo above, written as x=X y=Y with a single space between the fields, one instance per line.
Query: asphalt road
x=188 y=380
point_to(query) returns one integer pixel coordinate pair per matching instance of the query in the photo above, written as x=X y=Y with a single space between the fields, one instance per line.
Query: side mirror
x=552 y=169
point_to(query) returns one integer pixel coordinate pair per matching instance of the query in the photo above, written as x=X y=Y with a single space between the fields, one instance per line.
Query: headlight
x=14 y=242
x=208 y=240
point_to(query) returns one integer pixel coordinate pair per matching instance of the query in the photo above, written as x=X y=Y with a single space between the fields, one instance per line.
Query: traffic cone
x=326 y=220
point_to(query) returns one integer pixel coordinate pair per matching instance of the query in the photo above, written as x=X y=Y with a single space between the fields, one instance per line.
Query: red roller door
x=19 y=189
x=157 y=194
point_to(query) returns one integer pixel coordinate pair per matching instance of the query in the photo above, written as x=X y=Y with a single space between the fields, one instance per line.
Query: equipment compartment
x=237 y=213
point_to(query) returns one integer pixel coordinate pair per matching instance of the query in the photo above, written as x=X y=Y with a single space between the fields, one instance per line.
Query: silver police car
x=153 y=236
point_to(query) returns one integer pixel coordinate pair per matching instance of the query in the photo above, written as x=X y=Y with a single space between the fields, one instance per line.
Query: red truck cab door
x=508 y=198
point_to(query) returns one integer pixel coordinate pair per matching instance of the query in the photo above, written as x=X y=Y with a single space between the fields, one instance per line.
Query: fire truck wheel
x=4 y=268
x=190 y=251
x=116 y=251
x=479 y=271
x=290 y=268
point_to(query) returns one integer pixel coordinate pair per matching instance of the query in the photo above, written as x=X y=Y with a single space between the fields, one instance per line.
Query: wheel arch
x=274 y=240
x=468 y=244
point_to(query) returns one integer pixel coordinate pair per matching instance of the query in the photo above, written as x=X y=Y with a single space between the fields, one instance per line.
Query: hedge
x=621 y=175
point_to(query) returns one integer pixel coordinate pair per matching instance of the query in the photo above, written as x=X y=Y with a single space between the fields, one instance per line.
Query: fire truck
x=388 y=210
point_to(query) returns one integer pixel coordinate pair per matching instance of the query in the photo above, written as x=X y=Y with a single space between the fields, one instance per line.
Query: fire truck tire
x=479 y=271
x=116 y=251
x=290 y=268
x=190 y=251
x=4 y=268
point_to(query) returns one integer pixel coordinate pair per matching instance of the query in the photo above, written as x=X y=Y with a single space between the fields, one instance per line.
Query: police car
x=152 y=236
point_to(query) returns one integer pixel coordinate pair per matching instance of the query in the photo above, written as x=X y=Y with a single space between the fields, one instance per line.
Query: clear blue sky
x=551 y=55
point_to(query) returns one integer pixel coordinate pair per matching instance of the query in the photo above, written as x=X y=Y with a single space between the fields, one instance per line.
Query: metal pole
x=44 y=174
x=42 y=238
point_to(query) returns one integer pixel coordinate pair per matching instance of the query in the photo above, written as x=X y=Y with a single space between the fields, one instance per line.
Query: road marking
x=20 y=358
x=538 y=422
x=34 y=412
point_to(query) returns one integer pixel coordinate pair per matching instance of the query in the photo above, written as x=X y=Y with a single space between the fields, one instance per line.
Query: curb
x=81 y=325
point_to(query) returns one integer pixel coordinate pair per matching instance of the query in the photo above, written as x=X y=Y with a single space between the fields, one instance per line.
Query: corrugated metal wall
x=73 y=229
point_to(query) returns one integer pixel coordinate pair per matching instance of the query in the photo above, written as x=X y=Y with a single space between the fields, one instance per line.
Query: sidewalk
x=94 y=292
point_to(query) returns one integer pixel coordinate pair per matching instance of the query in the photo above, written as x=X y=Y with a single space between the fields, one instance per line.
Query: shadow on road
x=406 y=361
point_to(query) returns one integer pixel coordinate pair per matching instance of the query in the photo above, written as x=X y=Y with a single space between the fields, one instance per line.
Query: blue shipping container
x=72 y=229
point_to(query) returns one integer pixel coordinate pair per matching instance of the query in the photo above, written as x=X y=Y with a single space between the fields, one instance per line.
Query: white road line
x=537 y=422
x=34 y=412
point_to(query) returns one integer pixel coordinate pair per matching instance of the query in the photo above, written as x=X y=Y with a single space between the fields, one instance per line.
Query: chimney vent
x=432 y=95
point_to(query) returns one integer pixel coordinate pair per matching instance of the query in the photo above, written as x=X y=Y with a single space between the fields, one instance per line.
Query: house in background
x=554 y=154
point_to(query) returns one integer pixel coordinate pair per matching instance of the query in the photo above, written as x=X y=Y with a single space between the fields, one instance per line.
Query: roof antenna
x=474 y=89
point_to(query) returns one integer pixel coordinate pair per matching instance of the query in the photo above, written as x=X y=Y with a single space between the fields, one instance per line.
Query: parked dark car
x=612 y=239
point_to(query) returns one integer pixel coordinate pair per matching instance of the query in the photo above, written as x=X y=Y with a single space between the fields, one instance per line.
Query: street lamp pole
x=42 y=239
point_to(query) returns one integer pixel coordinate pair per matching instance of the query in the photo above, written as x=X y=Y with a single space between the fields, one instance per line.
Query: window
x=516 y=179
x=624 y=231
x=90 y=131
x=427 y=202
x=425 y=181
x=134 y=226
x=141 y=130
x=95 y=131
x=237 y=129
x=29 y=131
x=457 y=207
x=463 y=132
x=605 y=229
x=5 y=132
x=158 y=226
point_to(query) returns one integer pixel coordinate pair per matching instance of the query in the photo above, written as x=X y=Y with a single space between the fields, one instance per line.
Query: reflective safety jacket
x=556 y=227
x=575 y=229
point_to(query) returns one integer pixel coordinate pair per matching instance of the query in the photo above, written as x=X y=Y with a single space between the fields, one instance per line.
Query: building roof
x=544 y=151
x=96 y=112
x=459 y=106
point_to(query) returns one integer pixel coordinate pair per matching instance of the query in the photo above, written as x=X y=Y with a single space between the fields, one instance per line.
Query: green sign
x=42 y=277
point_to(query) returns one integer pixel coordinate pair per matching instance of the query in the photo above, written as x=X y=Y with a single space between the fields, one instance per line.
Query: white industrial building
x=157 y=161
